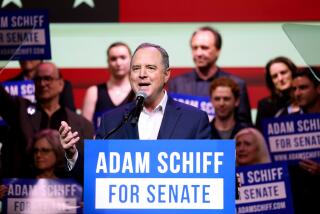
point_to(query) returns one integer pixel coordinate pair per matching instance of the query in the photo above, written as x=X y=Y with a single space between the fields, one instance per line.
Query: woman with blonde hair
x=251 y=148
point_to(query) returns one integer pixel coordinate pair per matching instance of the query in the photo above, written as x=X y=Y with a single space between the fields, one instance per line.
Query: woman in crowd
x=47 y=155
x=278 y=77
x=116 y=91
x=251 y=148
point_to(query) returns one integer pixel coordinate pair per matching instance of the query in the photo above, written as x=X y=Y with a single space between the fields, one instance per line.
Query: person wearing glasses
x=26 y=118
x=46 y=158
x=47 y=155
x=28 y=71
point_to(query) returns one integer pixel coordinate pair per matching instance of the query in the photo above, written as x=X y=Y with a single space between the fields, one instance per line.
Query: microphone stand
x=136 y=114
x=124 y=121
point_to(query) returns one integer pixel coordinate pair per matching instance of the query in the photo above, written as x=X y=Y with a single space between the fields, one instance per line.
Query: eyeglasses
x=47 y=79
x=44 y=151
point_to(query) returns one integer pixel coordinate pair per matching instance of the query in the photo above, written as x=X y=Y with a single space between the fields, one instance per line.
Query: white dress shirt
x=148 y=126
x=150 y=122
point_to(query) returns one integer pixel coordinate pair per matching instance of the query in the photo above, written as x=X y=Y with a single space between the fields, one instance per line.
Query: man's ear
x=61 y=85
x=167 y=74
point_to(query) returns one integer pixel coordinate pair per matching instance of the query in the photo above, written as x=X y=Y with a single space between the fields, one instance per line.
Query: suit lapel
x=170 y=118
x=131 y=130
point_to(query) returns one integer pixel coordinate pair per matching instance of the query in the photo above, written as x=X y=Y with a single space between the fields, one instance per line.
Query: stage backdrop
x=252 y=34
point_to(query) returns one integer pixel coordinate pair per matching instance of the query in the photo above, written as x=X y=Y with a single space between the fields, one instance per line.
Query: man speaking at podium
x=154 y=115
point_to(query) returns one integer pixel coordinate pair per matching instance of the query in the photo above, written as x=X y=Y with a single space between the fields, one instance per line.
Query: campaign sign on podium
x=159 y=176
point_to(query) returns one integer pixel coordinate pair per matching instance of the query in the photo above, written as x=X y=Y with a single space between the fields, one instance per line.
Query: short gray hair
x=163 y=52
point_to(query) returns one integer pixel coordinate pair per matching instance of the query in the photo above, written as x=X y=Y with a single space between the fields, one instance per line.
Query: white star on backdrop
x=78 y=2
x=16 y=2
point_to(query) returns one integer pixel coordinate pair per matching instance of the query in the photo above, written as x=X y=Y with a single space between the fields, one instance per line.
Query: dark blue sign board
x=159 y=176
x=42 y=196
x=201 y=102
x=265 y=188
x=24 y=35
x=293 y=138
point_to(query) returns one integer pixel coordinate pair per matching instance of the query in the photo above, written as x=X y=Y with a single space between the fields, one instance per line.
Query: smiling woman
x=251 y=148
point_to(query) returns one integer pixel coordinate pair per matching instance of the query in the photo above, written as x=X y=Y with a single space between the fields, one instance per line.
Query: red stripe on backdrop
x=218 y=11
x=82 y=78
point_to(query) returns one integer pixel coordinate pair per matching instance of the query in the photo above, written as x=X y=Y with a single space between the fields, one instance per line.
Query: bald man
x=26 y=118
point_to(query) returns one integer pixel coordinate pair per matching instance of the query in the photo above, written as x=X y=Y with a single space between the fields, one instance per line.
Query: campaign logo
x=24 y=35
x=42 y=196
x=293 y=138
x=162 y=176
x=265 y=188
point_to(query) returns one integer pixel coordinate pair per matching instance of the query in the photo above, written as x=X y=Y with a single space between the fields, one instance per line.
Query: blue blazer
x=180 y=121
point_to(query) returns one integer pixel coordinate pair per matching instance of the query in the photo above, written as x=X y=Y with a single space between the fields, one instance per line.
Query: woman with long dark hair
x=278 y=77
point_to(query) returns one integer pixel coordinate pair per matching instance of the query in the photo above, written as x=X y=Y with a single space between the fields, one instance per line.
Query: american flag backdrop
x=81 y=30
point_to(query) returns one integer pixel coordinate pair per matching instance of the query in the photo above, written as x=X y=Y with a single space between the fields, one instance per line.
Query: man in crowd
x=161 y=116
x=26 y=118
x=225 y=99
x=206 y=45
x=306 y=90
x=28 y=71
x=305 y=179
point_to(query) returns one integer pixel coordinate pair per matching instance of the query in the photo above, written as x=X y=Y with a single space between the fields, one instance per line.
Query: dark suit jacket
x=269 y=107
x=180 y=121
x=24 y=124
x=190 y=84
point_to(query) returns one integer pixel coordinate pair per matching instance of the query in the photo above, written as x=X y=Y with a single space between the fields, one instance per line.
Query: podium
x=159 y=176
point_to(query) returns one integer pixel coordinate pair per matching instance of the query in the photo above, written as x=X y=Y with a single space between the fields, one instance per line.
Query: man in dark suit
x=305 y=178
x=161 y=116
x=206 y=44
x=25 y=118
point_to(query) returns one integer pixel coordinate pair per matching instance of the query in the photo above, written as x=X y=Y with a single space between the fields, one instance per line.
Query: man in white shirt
x=161 y=117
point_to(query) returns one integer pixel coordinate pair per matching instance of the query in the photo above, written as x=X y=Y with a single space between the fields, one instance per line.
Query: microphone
x=140 y=97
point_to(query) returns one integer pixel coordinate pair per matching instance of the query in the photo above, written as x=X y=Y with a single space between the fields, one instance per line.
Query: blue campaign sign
x=293 y=138
x=42 y=196
x=24 y=35
x=199 y=102
x=159 y=176
x=265 y=188
x=24 y=89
